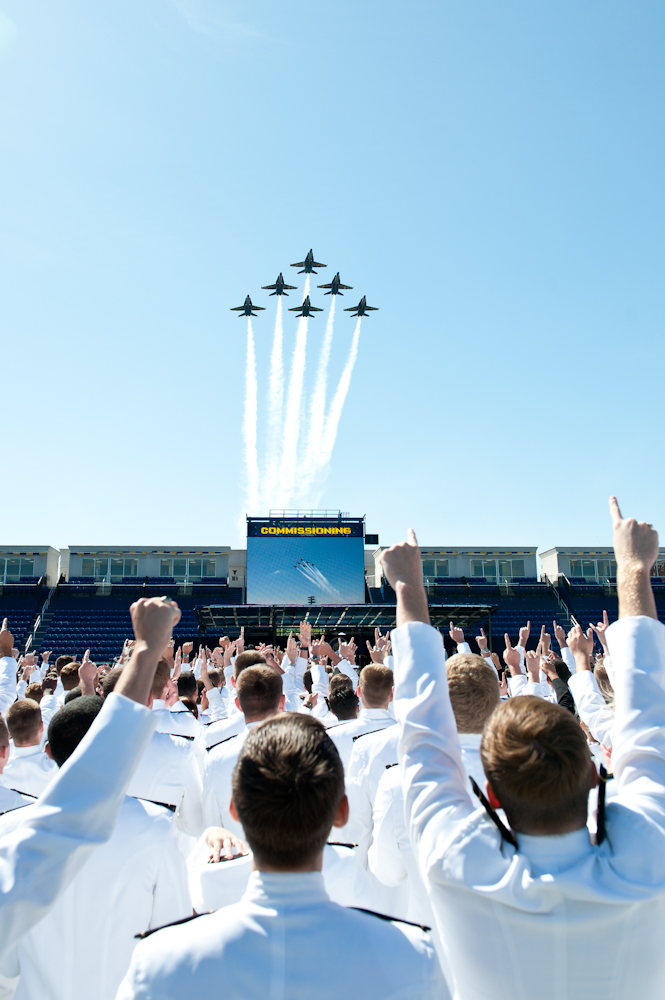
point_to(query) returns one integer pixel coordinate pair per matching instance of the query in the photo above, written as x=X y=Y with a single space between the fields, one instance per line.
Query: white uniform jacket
x=8 y=668
x=82 y=947
x=168 y=773
x=76 y=813
x=277 y=943
x=29 y=770
x=369 y=720
x=546 y=919
x=217 y=781
x=217 y=732
x=372 y=753
x=591 y=707
x=177 y=720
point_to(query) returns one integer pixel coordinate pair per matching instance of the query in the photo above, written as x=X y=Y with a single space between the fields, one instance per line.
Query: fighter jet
x=335 y=286
x=306 y=309
x=247 y=309
x=308 y=264
x=362 y=308
x=279 y=286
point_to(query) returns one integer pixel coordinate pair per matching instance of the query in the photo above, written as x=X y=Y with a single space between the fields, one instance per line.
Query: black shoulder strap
x=392 y=920
x=166 y=805
x=370 y=733
x=181 y=736
x=388 y=766
x=14 y=808
x=225 y=740
x=174 y=923
x=336 y=843
x=600 y=815
x=28 y=795
x=506 y=834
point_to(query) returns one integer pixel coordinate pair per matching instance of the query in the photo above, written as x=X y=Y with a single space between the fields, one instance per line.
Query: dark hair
x=187 y=685
x=34 y=691
x=287 y=787
x=249 y=659
x=307 y=680
x=24 y=718
x=162 y=674
x=70 y=724
x=74 y=693
x=191 y=705
x=61 y=662
x=69 y=676
x=214 y=677
x=110 y=680
x=259 y=690
x=343 y=702
x=561 y=668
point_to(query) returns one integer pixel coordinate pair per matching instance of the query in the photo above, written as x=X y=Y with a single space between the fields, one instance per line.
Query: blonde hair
x=376 y=685
x=474 y=691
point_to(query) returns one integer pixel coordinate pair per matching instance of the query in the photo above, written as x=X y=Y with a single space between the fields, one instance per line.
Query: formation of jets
x=308 y=266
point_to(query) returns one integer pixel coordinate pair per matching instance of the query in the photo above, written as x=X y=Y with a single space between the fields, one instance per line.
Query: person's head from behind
x=538 y=766
x=187 y=686
x=61 y=662
x=343 y=701
x=160 y=680
x=259 y=693
x=250 y=658
x=69 y=675
x=216 y=677
x=474 y=691
x=69 y=725
x=24 y=721
x=375 y=687
x=4 y=744
x=35 y=692
x=288 y=792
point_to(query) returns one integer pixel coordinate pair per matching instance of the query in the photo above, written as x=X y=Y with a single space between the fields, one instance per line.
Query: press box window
x=13 y=569
x=432 y=568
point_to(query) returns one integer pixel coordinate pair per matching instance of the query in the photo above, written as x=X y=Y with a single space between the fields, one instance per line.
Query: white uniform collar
x=375 y=713
x=555 y=852
x=27 y=751
x=158 y=704
x=301 y=888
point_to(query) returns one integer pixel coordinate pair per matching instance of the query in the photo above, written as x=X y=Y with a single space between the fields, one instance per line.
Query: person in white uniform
x=218 y=732
x=541 y=911
x=137 y=879
x=29 y=769
x=375 y=690
x=288 y=791
x=175 y=719
x=79 y=809
x=259 y=692
x=9 y=798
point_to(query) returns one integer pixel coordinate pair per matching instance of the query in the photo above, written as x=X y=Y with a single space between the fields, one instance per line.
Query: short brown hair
x=34 y=691
x=287 y=787
x=538 y=764
x=69 y=675
x=376 y=685
x=24 y=718
x=61 y=662
x=214 y=676
x=248 y=659
x=160 y=680
x=474 y=691
x=4 y=733
x=339 y=681
x=110 y=680
x=259 y=690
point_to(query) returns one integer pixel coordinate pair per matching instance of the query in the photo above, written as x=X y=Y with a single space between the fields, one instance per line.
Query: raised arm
x=436 y=789
x=80 y=807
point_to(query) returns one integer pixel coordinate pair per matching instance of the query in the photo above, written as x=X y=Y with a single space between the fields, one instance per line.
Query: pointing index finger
x=615 y=513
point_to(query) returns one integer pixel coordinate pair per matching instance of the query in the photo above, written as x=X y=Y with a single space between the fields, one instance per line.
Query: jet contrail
x=317 y=405
x=249 y=425
x=315 y=576
x=275 y=407
x=291 y=432
x=337 y=405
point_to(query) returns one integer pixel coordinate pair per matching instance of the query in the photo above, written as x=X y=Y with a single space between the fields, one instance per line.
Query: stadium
x=78 y=597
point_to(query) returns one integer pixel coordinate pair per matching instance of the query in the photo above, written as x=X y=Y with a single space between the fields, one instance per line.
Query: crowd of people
x=255 y=821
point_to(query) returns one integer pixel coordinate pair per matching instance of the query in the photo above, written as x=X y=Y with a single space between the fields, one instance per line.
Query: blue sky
x=490 y=175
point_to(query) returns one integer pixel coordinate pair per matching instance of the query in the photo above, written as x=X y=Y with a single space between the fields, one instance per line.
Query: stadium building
x=322 y=566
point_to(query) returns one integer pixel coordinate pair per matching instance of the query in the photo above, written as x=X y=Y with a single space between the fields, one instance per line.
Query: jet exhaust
x=275 y=403
x=250 y=423
x=337 y=405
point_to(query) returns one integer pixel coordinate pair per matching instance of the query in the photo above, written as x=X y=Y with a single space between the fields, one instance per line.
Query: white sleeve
x=568 y=659
x=463 y=647
x=521 y=650
x=347 y=668
x=8 y=668
x=196 y=669
x=190 y=812
x=77 y=812
x=170 y=896
x=385 y=857
x=591 y=707
x=21 y=689
x=516 y=685
x=609 y=667
x=319 y=680
x=216 y=703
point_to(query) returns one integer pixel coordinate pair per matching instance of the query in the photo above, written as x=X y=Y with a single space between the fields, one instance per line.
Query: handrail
x=38 y=620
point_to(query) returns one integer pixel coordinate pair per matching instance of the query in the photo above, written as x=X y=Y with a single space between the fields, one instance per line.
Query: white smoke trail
x=317 y=405
x=337 y=405
x=291 y=432
x=249 y=425
x=275 y=414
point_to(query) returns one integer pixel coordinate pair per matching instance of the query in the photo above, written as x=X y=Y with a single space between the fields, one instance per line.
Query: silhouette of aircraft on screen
x=306 y=309
x=335 y=286
x=279 y=286
x=308 y=264
x=246 y=308
x=362 y=308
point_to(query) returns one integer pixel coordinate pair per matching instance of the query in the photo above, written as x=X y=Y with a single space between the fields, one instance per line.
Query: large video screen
x=312 y=564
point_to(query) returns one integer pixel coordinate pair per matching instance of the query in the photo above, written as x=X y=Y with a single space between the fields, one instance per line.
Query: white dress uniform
x=168 y=773
x=215 y=885
x=217 y=732
x=591 y=707
x=369 y=720
x=558 y=916
x=372 y=753
x=276 y=943
x=177 y=720
x=218 y=700
x=82 y=948
x=77 y=812
x=10 y=799
x=8 y=668
x=217 y=782
x=29 y=770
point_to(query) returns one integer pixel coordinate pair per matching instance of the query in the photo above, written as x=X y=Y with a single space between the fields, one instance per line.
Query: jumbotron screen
x=305 y=561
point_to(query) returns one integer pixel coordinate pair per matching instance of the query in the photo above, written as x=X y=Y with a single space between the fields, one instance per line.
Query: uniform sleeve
x=592 y=708
x=171 y=898
x=7 y=683
x=434 y=780
x=212 y=815
x=385 y=857
x=77 y=812
x=638 y=756
x=190 y=811
x=359 y=827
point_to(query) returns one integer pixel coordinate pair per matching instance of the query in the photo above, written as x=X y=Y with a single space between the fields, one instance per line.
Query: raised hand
x=456 y=634
x=533 y=665
x=240 y=641
x=222 y=841
x=581 y=646
x=482 y=641
x=376 y=655
x=291 y=648
x=511 y=657
x=403 y=569
x=525 y=632
x=46 y=655
x=6 y=640
x=545 y=641
x=381 y=641
x=600 y=630
x=87 y=674
x=559 y=634
x=305 y=634
x=186 y=648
